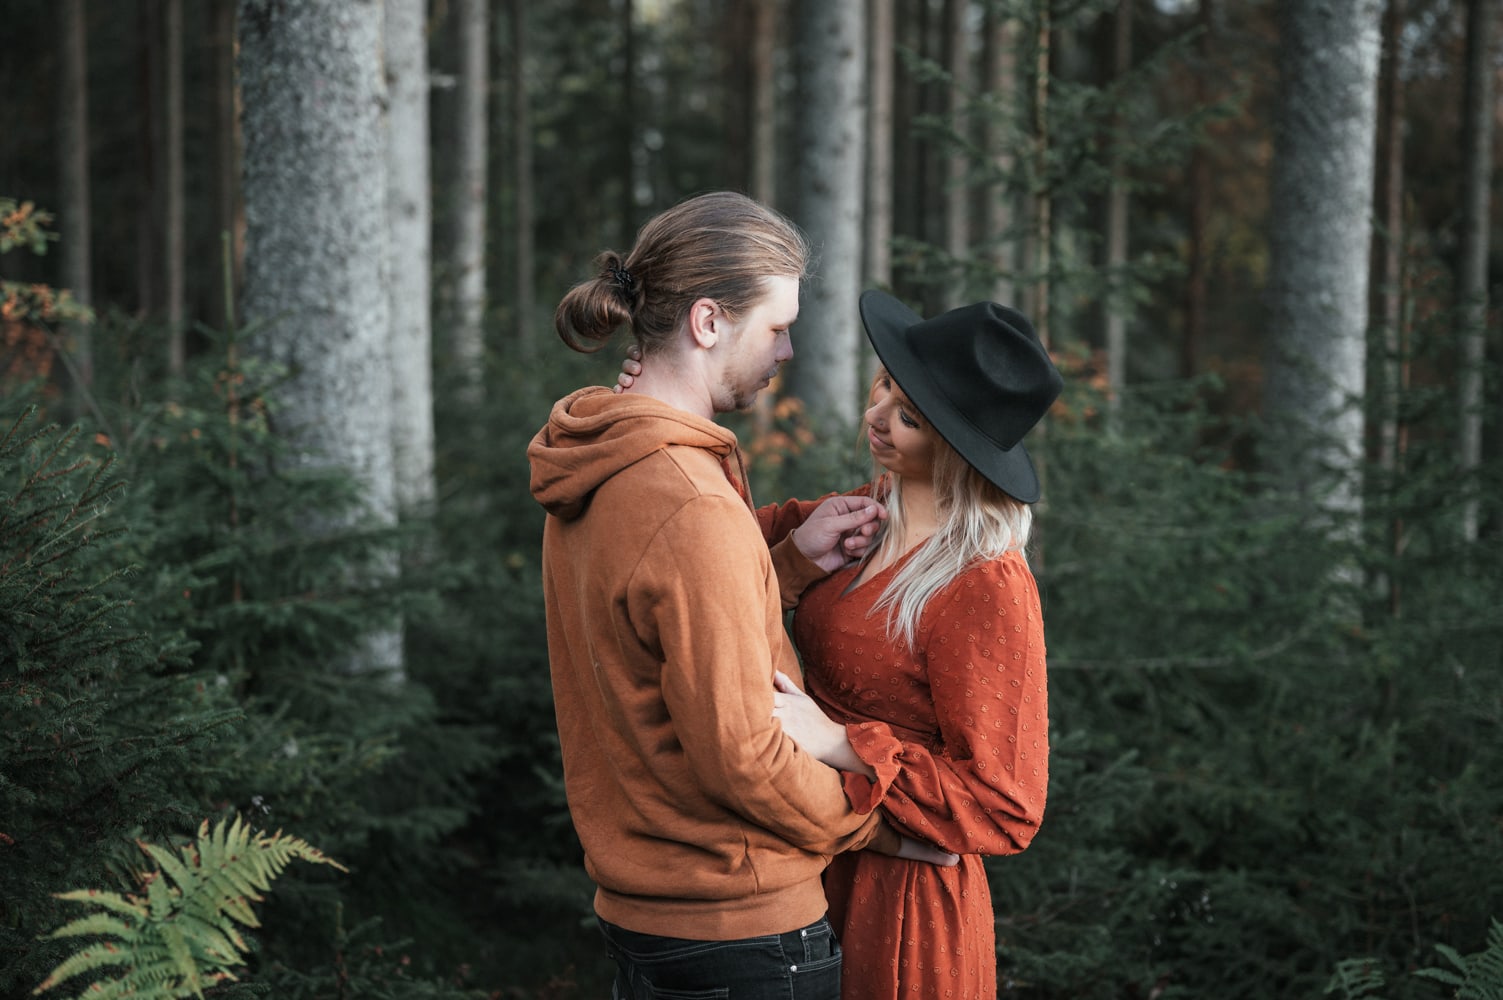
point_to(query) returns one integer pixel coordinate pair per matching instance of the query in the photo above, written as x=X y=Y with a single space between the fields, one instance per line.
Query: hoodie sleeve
x=794 y=570
x=705 y=594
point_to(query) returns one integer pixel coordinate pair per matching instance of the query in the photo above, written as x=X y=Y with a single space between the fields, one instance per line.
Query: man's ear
x=705 y=322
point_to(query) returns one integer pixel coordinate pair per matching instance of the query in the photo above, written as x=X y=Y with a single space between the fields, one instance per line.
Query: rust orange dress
x=957 y=731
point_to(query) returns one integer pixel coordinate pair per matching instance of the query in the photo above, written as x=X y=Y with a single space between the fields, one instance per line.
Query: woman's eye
x=909 y=421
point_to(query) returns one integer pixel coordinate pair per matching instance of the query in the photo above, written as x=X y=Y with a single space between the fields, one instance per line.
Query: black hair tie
x=623 y=279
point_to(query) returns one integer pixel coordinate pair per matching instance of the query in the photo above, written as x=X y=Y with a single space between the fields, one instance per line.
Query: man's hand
x=839 y=530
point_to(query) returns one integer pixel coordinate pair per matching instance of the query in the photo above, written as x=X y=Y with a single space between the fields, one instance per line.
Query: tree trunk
x=957 y=199
x=1471 y=284
x=907 y=197
x=174 y=224
x=878 y=269
x=469 y=223
x=409 y=290
x=316 y=240
x=628 y=123
x=762 y=182
x=1321 y=198
x=229 y=217
x=74 y=217
x=1388 y=268
x=525 y=263
x=1116 y=234
x=831 y=143
x=1040 y=240
x=149 y=246
x=1199 y=181
x=1000 y=70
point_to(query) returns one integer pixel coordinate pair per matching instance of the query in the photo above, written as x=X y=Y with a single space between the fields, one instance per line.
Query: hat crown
x=986 y=360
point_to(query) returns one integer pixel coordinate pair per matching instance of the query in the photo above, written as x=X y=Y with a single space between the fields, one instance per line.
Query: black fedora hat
x=977 y=373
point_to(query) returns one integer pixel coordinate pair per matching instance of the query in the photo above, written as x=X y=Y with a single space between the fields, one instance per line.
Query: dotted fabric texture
x=958 y=734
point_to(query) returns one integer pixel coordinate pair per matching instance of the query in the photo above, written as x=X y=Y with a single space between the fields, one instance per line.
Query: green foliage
x=1354 y=979
x=1251 y=782
x=1476 y=977
x=180 y=932
x=100 y=715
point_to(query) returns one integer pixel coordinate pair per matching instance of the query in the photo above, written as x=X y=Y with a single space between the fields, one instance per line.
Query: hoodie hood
x=594 y=433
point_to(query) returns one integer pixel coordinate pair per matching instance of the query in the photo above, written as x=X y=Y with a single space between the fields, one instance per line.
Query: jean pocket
x=819 y=943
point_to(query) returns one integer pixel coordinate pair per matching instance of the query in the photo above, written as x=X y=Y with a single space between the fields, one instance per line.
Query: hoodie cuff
x=875 y=744
x=794 y=569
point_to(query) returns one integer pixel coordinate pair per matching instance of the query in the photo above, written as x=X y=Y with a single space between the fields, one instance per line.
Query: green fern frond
x=1484 y=970
x=178 y=935
x=1476 y=977
x=122 y=905
x=1355 y=978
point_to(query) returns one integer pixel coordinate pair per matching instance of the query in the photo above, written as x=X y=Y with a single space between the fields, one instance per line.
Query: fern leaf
x=99 y=955
x=127 y=906
x=170 y=864
x=181 y=954
x=1484 y=970
x=181 y=935
x=1355 y=978
x=219 y=942
x=95 y=925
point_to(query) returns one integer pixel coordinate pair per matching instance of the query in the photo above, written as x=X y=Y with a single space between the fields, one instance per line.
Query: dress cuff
x=875 y=744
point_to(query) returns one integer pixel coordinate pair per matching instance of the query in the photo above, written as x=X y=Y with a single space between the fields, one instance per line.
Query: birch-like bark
x=410 y=288
x=1321 y=201
x=316 y=241
x=470 y=213
x=523 y=254
x=831 y=42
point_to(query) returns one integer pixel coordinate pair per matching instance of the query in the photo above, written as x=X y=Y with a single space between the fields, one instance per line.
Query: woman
x=925 y=661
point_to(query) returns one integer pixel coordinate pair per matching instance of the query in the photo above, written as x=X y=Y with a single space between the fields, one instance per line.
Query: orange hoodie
x=699 y=817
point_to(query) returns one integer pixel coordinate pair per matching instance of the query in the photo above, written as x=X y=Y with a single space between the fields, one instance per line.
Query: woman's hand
x=820 y=736
x=631 y=367
x=918 y=850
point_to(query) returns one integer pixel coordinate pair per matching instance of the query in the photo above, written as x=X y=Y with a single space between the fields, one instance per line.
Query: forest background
x=275 y=338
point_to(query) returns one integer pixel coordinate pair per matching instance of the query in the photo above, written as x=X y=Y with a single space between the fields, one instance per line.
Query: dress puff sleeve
x=980 y=787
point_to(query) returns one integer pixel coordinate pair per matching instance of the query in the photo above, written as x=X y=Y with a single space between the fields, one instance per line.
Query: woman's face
x=900 y=438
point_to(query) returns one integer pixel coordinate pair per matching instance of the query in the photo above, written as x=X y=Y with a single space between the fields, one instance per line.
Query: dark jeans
x=803 y=964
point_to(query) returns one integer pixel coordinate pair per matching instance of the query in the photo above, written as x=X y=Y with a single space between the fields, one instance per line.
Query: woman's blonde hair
x=978 y=521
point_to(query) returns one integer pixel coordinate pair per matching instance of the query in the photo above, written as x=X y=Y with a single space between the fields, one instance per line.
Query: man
x=704 y=826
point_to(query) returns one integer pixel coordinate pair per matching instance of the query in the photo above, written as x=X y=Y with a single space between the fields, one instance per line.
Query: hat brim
x=886 y=321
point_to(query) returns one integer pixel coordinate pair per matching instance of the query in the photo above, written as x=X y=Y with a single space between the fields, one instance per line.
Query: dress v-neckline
x=859 y=584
